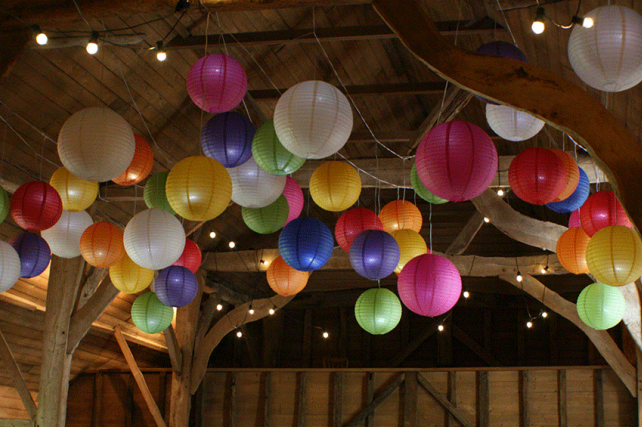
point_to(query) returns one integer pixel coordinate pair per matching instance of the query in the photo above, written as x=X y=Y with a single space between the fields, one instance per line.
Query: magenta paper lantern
x=429 y=285
x=294 y=196
x=602 y=209
x=537 y=175
x=574 y=219
x=456 y=161
x=217 y=83
x=352 y=223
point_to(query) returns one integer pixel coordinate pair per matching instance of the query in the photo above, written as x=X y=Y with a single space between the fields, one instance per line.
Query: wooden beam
x=561 y=398
x=483 y=399
x=633 y=310
x=380 y=396
x=473 y=346
x=337 y=399
x=265 y=400
x=91 y=284
x=301 y=391
x=466 y=235
x=370 y=420
x=420 y=88
x=140 y=379
x=16 y=377
x=414 y=344
x=410 y=399
x=525 y=413
x=97 y=402
x=443 y=400
x=175 y=353
x=15 y=42
x=232 y=411
x=452 y=397
x=638 y=354
x=599 y=397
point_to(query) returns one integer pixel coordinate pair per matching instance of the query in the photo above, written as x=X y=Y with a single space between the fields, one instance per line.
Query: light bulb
x=251 y=311
x=271 y=311
x=440 y=328
x=544 y=314
x=543 y=270
x=232 y=245
x=219 y=307
x=466 y=294
x=529 y=324
x=538 y=27
x=42 y=39
x=519 y=277
x=264 y=262
x=212 y=234
x=326 y=335
x=92 y=48
x=239 y=334
x=486 y=219
x=500 y=192
x=588 y=22
x=161 y=55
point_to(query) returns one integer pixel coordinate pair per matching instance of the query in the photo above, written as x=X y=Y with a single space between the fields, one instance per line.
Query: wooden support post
x=410 y=399
x=381 y=396
x=599 y=397
x=162 y=393
x=175 y=353
x=16 y=377
x=267 y=385
x=482 y=399
x=443 y=400
x=129 y=402
x=300 y=398
x=140 y=379
x=337 y=401
x=367 y=347
x=370 y=420
x=306 y=353
x=561 y=398
x=452 y=397
x=639 y=384
x=231 y=417
x=272 y=337
x=97 y=405
x=525 y=414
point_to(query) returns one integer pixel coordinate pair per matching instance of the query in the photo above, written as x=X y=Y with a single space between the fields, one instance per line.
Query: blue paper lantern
x=34 y=254
x=500 y=48
x=176 y=286
x=374 y=254
x=227 y=138
x=306 y=244
x=575 y=200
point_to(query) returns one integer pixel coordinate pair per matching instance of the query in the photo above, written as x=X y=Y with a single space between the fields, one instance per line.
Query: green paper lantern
x=601 y=306
x=4 y=204
x=150 y=315
x=267 y=219
x=421 y=189
x=270 y=154
x=378 y=311
x=154 y=194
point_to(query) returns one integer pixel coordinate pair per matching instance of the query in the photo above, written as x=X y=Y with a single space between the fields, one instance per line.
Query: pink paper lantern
x=352 y=223
x=537 y=175
x=574 y=219
x=429 y=285
x=602 y=209
x=217 y=83
x=456 y=161
x=294 y=196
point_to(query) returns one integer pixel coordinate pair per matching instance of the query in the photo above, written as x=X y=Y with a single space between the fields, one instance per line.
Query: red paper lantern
x=140 y=166
x=352 y=223
x=537 y=176
x=574 y=219
x=36 y=206
x=602 y=209
x=572 y=174
x=191 y=257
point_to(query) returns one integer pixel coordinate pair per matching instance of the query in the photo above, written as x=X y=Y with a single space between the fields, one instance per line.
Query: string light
x=584 y=22
x=239 y=334
x=251 y=311
x=440 y=328
x=326 y=335
x=466 y=294
x=544 y=314
x=486 y=219
x=212 y=234
x=519 y=277
x=500 y=192
x=271 y=311
x=92 y=46
x=41 y=37
x=232 y=245
x=264 y=262
x=544 y=270
x=529 y=324
x=538 y=26
x=161 y=55
x=219 y=307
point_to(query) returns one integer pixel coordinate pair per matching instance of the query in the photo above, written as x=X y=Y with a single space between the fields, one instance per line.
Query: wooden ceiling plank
x=420 y=88
x=16 y=376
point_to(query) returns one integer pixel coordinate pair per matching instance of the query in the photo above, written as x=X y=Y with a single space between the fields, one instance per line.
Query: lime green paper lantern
x=378 y=311
x=267 y=219
x=601 y=306
x=154 y=194
x=271 y=155
x=150 y=315
x=421 y=189
x=4 y=204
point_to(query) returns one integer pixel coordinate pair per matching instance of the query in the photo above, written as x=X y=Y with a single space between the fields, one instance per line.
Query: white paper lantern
x=313 y=119
x=253 y=187
x=512 y=124
x=9 y=266
x=64 y=237
x=96 y=144
x=154 y=239
x=608 y=56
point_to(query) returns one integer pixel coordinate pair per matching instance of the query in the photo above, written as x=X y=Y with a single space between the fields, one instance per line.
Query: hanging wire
x=499 y=6
x=83 y=16
x=27 y=143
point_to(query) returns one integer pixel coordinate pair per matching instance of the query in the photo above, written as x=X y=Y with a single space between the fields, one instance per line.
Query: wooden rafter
x=379 y=397
x=16 y=377
x=444 y=401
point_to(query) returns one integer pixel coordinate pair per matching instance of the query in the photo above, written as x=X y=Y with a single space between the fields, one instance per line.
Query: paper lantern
x=216 y=83
x=285 y=280
x=267 y=219
x=198 y=188
x=574 y=219
x=270 y=154
x=293 y=194
x=191 y=257
x=154 y=194
x=227 y=138
x=354 y=222
x=36 y=206
x=4 y=204
x=456 y=161
x=429 y=285
x=600 y=306
x=34 y=254
x=253 y=187
x=378 y=311
x=572 y=174
x=411 y=244
x=150 y=315
x=512 y=124
x=313 y=119
x=607 y=56
x=614 y=255
x=374 y=254
x=76 y=194
x=129 y=277
x=64 y=237
x=571 y=250
x=537 y=176
x=500 y=48
x=421 y=189
x=335 y=186
x=399 y=215
x=96 y=144
x=140 y=166
x=9 y=266
x=176 y=286
x=575 y=200
x=306 y=244
x=600 y=210
x=154 y=239
x=101 y=245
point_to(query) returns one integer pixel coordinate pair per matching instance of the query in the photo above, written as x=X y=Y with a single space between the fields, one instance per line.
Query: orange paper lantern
x=101 y=245
x=571 y=250
x=572 y=174
x=285 y=280
x=399 y=215
x=140 y=166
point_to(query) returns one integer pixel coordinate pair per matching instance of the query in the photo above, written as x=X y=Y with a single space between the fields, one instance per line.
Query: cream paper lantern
x=96 y=144
x=253 y=187
x=9 y=266
x=154 y=239
x=313 y=119
x=512 y=124
x=608 y=56
x=64 y=237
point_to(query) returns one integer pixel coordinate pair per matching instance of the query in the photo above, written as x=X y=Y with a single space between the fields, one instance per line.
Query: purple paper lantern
x=216 y=83
x=500 y=48
x=34 y=254
x=176 y=286
x=429 y=285
x=374 y=254
x=227 y=138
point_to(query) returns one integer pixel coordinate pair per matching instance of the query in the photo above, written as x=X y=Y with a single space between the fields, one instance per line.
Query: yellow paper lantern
x=411 y=244
x=129 y=277
x=76 y=194
x=399 y=215
x=614 y=255
x=198 y=188
x=571 y=250
x=335 y=186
